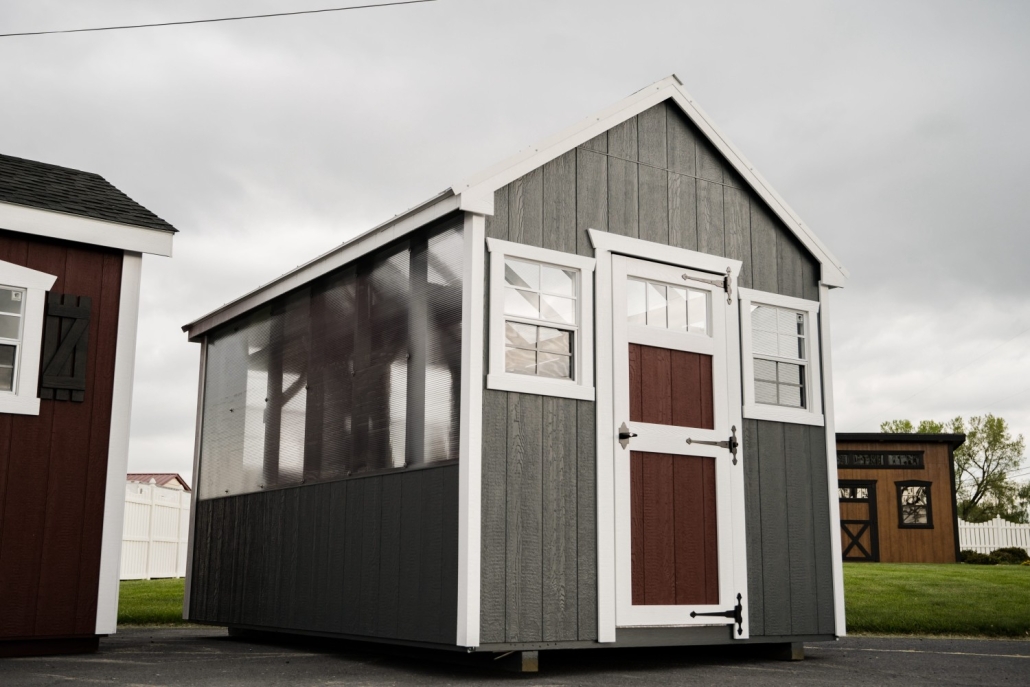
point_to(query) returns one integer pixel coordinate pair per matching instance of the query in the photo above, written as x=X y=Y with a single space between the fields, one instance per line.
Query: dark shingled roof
x=49 y=187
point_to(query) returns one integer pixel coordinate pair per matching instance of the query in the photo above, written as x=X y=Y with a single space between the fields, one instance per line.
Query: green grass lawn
x=920 y=599
x=151 y=602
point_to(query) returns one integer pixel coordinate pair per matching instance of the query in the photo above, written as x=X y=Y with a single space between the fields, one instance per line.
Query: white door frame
x=608 y=575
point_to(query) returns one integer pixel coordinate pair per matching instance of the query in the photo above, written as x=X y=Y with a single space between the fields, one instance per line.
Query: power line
x=211 y=21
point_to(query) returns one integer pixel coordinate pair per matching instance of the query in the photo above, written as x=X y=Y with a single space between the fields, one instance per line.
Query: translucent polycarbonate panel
x=636 y=301
x=677 y=308
x=357 y=372
x=11 y=300
x=697 y=311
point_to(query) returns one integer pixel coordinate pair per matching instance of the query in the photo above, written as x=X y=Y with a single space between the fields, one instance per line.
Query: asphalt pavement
x=207 y=656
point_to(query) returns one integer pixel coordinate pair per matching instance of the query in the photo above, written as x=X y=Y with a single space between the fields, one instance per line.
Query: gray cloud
x=897 y=131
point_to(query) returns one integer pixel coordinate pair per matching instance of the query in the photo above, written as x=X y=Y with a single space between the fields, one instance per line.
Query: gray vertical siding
x=373 y=556
x=652 y=177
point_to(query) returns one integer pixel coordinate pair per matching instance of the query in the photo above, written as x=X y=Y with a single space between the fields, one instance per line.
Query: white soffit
x=477 y=192
x=61 y=225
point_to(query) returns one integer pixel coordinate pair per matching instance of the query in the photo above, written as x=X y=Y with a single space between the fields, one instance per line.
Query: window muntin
x=678 y=308
x=778 y=344
x=914 y=510
x=12 y=308
x=540 y=322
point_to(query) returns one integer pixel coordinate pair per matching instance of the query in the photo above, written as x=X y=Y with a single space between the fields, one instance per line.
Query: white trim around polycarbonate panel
x=118 y=444
x=813 y=413
x=581 y=387
x=23 y=399
x=470 y=463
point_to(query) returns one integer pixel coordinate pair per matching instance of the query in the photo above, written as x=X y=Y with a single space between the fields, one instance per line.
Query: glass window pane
x=555 y=340
x=521 y=303
x=843 y=492
x=553 y=365
x=557 y=281
x=697 y=311
x=11 y=300
x=913 y=505
x=6 y=379
x=787 y=321
x=765 y=369
x=636 y=302
x=656 y=301
x=801 y=323
x=520 y=335
x=677 y=308
x=519 y=361
x=862 y=493
x=763 y=318
x=7 y=355
x=789 y=346
x=9 y=326
x=789 y=374
x=764 y=343
x=558 y=309
x=525 y=275
x=765 y=392
x=790 y=396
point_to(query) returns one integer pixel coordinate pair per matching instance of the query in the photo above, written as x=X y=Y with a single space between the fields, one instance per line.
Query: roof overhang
x=61 y=225
x=953 y=440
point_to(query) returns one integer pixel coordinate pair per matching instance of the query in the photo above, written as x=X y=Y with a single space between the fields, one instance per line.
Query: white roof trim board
x=476 y=194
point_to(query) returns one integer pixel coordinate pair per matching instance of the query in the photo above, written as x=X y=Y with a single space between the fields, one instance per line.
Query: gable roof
x=71 y=191
x=161 y=479
x=476 y=194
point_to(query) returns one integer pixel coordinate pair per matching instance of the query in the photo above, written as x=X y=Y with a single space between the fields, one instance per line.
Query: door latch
x=625 y=435
x=737 y=613
x=730 y=443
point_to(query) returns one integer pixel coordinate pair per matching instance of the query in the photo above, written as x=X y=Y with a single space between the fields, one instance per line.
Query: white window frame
x=581 y=387
x=23 y=400
x=813 y=414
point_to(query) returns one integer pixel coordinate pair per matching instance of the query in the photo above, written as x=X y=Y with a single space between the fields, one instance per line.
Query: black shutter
x=65 y=345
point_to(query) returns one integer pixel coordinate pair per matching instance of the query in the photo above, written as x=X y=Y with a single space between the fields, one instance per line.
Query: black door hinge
x=737 y=613
x=730 y=443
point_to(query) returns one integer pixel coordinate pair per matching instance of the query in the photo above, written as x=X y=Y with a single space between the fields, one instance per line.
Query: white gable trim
x=61 y=225
x=477 y=192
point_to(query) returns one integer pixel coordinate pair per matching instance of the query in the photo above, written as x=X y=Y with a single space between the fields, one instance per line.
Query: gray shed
x=581 y=399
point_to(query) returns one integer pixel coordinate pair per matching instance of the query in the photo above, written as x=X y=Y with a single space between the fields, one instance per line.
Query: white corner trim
x=580 y=388
x=605 y=427
x=839 y=624
x=398 y=226
x=813 y=415
x=470 y=463
x=658 y=252
x=118 y=445
x=197 y=436
x=61 y=225
x=23 y=400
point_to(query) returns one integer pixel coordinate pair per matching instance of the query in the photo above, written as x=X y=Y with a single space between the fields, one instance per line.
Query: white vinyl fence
x=984 y=537
x=157 y=525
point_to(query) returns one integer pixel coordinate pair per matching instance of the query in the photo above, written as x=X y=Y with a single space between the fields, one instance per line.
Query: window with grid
x=780 y=351
x=540 y=323
x=914 y=505
x=12 y=305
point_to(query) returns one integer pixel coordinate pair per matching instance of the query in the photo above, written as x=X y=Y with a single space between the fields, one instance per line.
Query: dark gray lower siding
x=371 y=557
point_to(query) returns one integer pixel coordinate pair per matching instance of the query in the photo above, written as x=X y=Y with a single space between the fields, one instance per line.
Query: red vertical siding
x=54 y=465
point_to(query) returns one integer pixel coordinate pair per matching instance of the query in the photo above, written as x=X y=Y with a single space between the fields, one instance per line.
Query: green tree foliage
x=982 y=465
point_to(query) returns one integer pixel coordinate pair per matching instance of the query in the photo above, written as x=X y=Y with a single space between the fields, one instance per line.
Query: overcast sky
x=897 y=130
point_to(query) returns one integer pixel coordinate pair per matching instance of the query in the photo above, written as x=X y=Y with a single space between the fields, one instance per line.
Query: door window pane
x=697 y=311
x=656 y=305
x=677 y=309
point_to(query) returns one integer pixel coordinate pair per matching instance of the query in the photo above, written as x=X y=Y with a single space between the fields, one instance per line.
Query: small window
x=781 y=358
x=678 y=308
x=22 y=304
x=540 y=328
x=12 y=306
x=914 y=510
x=853 y=493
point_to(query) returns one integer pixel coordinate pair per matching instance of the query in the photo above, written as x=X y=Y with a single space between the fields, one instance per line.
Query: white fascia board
x=398 y=226
x=118 y=445
x=97 y=232
x=477 y=191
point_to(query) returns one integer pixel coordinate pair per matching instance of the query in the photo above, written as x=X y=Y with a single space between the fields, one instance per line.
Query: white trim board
x=98 y=232
x=197 y=437
x=118 y=445
x=470 y=462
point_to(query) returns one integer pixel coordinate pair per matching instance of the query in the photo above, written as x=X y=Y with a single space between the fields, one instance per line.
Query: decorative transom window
x=22 y=304
x=914 y=505
x=780 y=349
x=540 y=321
x=678 y=308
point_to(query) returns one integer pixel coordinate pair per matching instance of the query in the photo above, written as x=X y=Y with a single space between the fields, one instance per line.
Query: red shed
x=71 y=248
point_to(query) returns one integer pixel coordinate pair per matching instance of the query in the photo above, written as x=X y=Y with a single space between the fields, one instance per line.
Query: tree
x=982 y=466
